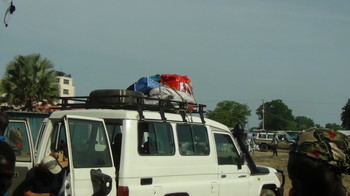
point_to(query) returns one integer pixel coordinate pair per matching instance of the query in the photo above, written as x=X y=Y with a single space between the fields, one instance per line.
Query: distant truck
x=264 y=139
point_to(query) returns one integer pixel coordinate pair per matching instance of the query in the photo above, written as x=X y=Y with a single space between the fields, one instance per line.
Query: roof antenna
x=9 y=10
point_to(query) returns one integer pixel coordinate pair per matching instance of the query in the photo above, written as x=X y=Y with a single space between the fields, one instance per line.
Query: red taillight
x=123 y=191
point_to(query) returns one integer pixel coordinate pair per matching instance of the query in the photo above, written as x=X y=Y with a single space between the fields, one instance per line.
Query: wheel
x=267 y=192
x=264 y=147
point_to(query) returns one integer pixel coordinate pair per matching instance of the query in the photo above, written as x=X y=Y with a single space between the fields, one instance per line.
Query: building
x=66 y=87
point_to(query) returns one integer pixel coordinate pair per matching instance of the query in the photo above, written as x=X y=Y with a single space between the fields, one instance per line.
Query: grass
x=280 y=162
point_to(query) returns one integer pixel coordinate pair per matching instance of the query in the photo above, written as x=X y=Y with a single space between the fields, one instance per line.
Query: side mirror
x=102 y=183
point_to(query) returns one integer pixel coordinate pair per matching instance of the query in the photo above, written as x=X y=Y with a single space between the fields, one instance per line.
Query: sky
x=248 y=51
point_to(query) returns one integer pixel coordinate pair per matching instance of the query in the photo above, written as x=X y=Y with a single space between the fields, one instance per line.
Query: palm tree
x=29 y=80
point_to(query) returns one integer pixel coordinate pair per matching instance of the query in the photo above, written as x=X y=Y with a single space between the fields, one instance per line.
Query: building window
x=66 y=91
x=65 y=81
x=58 y=80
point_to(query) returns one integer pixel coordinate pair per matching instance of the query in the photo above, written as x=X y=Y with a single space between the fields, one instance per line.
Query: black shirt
x=39 y=181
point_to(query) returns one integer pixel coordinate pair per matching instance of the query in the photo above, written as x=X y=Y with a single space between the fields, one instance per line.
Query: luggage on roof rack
x=128 y=99
x=133 y=100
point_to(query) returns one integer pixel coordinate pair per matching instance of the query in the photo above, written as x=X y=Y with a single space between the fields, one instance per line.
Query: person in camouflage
x=317 y=162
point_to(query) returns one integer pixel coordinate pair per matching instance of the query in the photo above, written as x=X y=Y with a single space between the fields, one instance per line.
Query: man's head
x=317 y=160
x=4 y=121
x=7 y=166
x=51 y=165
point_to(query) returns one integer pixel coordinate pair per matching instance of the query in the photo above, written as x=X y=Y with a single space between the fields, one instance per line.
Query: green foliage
x=333 y=126
x=303 y=123
x=277 y=115
x=28 y=80
x=229 y=113
x=345 y=115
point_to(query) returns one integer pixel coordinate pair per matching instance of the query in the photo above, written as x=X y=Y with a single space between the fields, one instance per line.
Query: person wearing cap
x=44 y=179
x=317 y=162
x=7 y=158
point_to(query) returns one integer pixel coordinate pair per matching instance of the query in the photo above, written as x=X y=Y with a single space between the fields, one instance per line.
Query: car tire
x=264 y=147
x=267 y=192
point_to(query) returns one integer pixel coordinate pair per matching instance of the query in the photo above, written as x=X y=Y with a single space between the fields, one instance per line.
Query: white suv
x=264 y=139
x=118 y=145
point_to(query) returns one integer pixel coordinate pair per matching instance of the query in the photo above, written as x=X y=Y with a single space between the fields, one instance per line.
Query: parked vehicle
x=18 y=136
x=264 y=139
x=115 y=144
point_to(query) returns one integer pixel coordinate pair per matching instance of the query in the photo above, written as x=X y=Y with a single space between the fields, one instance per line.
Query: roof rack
x=132 y=102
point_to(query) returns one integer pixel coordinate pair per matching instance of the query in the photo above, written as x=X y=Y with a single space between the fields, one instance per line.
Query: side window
x=89 y=144
x=114 y=129
x=193 y=139
x=59 y=144
x=17 y=137
x=41 y=131
x=58 y=138
x=226 y=150
x=155 y=138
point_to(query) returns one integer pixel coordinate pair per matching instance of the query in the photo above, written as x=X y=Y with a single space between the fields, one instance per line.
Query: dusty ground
x=280 y=162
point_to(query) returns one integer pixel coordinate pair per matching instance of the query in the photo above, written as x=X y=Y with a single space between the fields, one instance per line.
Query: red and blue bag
x=177 y=82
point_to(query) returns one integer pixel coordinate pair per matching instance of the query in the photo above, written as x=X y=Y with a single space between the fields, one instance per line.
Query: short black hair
x=7 y=166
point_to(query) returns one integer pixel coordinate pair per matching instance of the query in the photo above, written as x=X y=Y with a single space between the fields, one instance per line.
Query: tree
x=345 y=115
x=303 y=123
x=230 y=113
x=277 y=115
x=333 y=126
x=29 y=80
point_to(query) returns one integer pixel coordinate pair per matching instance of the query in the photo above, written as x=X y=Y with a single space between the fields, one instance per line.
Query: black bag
x=113 y=98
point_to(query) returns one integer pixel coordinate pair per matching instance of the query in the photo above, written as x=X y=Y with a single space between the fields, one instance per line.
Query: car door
x=89 y=156
x=18 y=136
x=40 y=134
x=233 y=179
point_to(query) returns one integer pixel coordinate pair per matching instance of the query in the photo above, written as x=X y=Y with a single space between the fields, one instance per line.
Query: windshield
x=291 y=135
